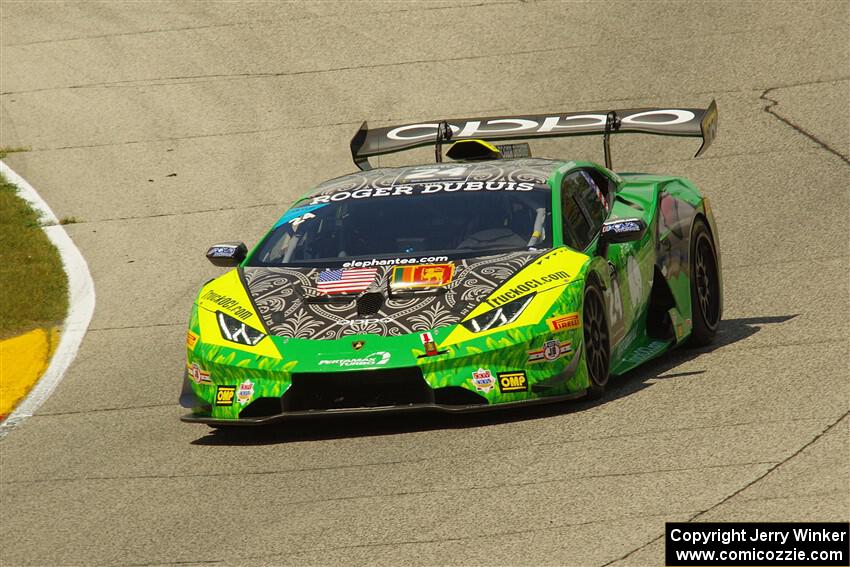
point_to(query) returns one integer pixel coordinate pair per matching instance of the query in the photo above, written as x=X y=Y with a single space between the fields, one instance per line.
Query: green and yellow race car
x=487 y=281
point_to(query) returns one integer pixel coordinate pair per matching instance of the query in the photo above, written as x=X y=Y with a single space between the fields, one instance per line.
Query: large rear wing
x=689 y=122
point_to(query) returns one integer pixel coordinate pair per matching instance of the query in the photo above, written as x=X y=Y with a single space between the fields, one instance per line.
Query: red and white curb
x=80 y=304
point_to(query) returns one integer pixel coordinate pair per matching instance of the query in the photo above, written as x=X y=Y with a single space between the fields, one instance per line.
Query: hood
x=290 y=303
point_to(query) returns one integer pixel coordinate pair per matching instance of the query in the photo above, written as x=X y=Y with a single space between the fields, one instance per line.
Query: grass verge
x=6 y=150
x=33 y=285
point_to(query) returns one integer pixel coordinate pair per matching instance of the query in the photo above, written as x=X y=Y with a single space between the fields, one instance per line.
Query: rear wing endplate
x=688 y=122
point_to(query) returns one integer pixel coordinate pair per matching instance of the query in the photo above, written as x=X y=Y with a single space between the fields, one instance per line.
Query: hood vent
x=369 y=303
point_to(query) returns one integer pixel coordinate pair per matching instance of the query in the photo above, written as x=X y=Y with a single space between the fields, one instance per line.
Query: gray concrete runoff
x=167 y=127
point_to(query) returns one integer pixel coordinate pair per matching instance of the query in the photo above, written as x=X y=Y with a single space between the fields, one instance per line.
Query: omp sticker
x=563 y=322
x=512 y=382
x=224 y=395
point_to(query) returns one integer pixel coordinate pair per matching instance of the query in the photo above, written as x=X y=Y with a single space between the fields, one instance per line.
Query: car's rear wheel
x=597 y=347
x=705 y=286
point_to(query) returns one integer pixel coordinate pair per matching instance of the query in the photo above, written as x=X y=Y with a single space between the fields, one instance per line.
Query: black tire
x=597 y=341
x=705 y=286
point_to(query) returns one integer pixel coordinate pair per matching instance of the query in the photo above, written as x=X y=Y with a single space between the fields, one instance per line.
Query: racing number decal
x=627 y=292
x=614 y=299
x=426 y=173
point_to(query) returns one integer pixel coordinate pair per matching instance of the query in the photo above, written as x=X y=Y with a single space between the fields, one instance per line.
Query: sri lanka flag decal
x=423 y=276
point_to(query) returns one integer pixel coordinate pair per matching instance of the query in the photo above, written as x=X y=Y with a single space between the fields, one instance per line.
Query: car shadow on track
x=731 y=331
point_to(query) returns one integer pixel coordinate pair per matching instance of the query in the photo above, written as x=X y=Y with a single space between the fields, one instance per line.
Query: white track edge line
x=81 y=302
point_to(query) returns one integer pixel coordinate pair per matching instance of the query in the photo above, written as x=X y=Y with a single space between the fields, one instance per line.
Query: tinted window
x=454 y=222
x=583 y=206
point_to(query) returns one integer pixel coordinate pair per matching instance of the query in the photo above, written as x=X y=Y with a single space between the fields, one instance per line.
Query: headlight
x=503 y=315
x=237 y=331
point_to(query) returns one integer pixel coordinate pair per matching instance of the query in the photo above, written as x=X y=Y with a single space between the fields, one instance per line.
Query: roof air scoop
x=473 y=150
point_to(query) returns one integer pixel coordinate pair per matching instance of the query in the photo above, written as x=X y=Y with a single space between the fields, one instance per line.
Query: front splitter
x=381 y=410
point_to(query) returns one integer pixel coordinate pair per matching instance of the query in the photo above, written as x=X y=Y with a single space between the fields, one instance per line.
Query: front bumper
x=302 y=377
x=385 y=391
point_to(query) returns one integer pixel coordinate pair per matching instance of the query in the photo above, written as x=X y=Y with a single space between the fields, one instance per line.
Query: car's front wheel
x=597 y=347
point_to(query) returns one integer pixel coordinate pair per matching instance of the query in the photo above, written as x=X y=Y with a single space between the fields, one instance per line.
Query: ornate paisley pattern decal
x=290 y=306
x=530 y=170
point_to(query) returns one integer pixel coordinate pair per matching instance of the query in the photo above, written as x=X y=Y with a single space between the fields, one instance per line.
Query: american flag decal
x=350 y=280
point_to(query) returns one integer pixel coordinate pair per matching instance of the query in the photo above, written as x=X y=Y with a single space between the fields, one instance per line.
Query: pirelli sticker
x=522 y=288
x=191 y=340
x=566 y=322
x=512 y=382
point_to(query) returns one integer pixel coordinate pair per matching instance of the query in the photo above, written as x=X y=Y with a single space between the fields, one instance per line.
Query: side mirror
x=620 y=230
x=227 y=254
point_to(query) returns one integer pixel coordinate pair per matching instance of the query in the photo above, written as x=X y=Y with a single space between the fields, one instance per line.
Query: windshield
x=426 y=226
